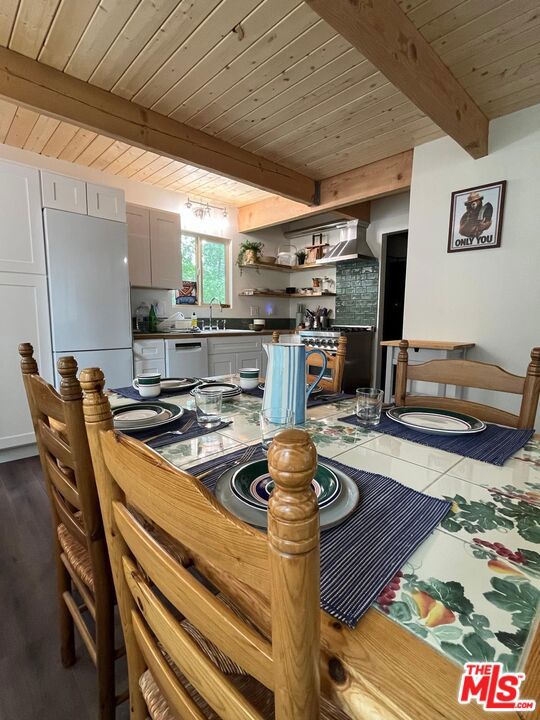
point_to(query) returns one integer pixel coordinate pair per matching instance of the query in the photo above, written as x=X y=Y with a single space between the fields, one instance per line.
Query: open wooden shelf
x=286 y=295
x=286 y=268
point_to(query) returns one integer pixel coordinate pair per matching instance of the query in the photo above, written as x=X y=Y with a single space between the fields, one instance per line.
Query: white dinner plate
x=435 y=421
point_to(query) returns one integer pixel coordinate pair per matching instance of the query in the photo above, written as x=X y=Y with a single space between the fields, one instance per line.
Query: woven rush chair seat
x=260 y=697
x=79 y=560
x=77 y=555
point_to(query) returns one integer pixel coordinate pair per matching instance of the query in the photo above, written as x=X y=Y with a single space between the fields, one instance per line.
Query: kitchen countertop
x=214 y=333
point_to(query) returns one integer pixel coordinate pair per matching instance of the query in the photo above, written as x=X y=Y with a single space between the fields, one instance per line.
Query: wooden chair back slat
x=193 y=663
x=62 y=483
x=184 y=508
x=284 y=564
x=222 y=626
x=177 y=697
x=478 y=410
x=467 y=373
x=47 y=400
x=55 y=445
x=67 y=517
x=471 y=374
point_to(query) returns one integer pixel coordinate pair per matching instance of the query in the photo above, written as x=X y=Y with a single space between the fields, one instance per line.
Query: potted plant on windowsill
x=301 y=256
x=249 y=253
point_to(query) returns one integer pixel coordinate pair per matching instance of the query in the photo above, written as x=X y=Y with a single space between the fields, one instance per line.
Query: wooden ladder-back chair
x=335 y=362
x=473 y=374
x=79 y=541
x=170 y=676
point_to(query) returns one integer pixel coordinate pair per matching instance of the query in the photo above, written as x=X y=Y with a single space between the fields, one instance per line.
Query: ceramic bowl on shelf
x=259 y=321
x=257 y=328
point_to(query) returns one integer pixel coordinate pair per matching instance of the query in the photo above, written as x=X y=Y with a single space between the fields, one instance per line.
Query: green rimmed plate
x=252 y=484
x=434 y=421
x=144 y=415
x=329 y=516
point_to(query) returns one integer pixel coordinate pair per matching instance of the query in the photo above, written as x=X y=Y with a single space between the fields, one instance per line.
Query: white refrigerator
x=88 y=281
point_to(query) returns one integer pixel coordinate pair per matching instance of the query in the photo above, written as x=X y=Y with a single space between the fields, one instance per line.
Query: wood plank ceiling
x=266 y=75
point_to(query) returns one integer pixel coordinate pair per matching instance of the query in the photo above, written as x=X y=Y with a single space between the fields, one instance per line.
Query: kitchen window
x=205 y=261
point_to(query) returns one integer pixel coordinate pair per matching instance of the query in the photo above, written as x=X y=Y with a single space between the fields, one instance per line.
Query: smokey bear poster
x=476 y=217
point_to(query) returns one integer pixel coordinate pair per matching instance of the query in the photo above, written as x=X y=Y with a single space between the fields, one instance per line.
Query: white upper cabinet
x=22 y=248
x=165 y=249
x=138 y=222
x=106 y=202
x=154 y=247
x=63 y=193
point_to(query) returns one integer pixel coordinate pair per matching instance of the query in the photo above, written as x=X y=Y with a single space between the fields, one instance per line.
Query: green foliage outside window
x=211 y=256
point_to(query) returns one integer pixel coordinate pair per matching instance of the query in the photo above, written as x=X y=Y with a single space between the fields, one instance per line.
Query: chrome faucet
x=214 y=299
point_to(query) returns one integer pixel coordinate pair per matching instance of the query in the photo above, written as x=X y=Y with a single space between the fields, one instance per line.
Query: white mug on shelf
x=148 y=384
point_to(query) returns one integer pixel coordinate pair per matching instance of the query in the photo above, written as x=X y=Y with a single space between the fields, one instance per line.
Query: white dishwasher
x=186 y=357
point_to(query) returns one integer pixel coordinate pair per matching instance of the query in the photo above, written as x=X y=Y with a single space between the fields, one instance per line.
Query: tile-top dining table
x=469 y=593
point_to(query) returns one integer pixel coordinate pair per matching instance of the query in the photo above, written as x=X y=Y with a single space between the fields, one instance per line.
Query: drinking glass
x=368 y=406
x=274 y=421
x=208 y=407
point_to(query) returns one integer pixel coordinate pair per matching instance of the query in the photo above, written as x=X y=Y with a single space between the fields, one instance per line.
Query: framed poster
x=187 y=294
x=476 y=217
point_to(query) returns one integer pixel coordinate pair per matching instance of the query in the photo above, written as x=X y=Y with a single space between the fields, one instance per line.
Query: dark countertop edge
x=229 y=333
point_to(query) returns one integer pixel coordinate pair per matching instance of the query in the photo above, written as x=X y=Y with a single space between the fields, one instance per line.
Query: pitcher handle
x=323 y=355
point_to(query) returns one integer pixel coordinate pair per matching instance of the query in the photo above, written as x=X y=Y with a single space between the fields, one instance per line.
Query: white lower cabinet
x=227 y=355
x=248 y=360
x=221 y=364
x=150 y=366
x=25 y=319
x=149 y=356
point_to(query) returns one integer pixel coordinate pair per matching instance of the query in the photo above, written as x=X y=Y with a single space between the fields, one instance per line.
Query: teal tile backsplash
x=357 y=288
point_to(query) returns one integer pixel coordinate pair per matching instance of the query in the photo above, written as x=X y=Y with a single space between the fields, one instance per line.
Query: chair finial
x=293 y=537
x=70 y=388
x=28 y=361
x=534 y=366
x=95 y=405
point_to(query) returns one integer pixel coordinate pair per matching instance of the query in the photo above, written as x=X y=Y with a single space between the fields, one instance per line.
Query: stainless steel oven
x=357 y=372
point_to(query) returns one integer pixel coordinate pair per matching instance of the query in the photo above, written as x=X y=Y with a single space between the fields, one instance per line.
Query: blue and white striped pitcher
x=285 y=384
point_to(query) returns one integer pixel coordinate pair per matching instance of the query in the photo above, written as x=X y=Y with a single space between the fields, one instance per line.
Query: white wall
x=490 y=297
x=388 y=215
x=152 y=196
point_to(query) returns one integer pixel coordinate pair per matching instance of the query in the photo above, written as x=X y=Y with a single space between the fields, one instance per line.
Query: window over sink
x=205 y=269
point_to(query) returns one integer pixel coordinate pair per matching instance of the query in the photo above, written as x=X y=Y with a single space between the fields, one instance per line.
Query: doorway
x=393 y=271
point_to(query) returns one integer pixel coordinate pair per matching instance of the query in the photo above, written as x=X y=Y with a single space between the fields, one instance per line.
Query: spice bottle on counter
x=193 y=320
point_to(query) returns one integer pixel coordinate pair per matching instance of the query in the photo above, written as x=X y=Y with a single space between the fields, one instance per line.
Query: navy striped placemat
x=322 y=399
x=195 y=430
x=493 y=445
x=362 y=555
x=132 y=394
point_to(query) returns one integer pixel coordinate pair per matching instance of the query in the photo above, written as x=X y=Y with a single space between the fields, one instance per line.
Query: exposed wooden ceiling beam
x=384 y=34
x=39 y=87
x=378 y=179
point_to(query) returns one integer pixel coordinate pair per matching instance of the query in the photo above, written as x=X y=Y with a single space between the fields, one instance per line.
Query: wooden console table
x=421 y=351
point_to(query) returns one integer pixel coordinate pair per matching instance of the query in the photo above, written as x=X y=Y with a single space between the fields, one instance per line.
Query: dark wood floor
x=33 y=683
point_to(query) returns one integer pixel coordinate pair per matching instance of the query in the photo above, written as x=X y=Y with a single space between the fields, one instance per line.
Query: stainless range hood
x=351 y=240
x=351 y=244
